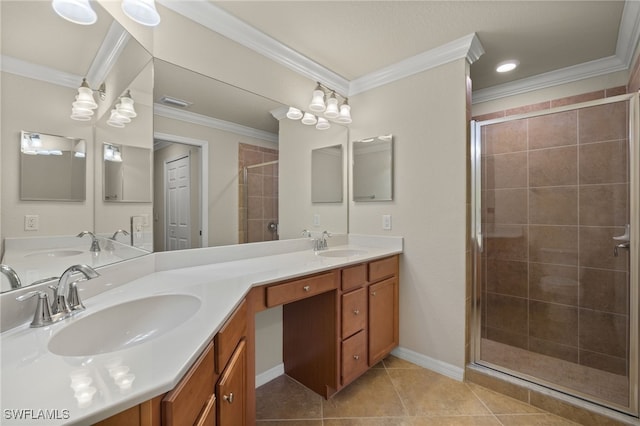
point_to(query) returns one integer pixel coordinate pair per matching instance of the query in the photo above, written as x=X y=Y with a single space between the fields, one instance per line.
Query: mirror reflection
x=127 y=173
x=326 y=174
x=373 y=169
x=52 y=168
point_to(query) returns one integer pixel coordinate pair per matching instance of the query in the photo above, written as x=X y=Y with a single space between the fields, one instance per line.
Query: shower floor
x=600 y=384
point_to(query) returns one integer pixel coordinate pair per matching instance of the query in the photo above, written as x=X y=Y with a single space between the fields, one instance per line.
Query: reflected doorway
x=177 y=156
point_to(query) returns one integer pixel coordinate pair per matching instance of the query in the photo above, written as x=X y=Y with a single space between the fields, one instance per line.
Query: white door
x=178 y=201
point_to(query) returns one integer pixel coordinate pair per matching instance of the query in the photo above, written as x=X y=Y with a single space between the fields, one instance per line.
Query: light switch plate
x=31 y=222
x=386 y=222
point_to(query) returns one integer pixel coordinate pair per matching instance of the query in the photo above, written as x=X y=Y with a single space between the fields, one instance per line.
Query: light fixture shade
x=323 y=124
x=332 y=107
x=125 y=107
x=317 y=101
x=117 y=120
x=309 y=119
x=84 y=99
x=294 y=114
x=76 y=11
x=142 y=11
x=345 y=113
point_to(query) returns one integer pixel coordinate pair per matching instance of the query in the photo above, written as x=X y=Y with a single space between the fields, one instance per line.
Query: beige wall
x=223 y=174
x=426 y=115
x=41 y=107
x=296 y=209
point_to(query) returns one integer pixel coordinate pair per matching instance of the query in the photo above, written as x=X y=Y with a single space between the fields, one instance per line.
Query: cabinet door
x=231 y=389
x=383 y=319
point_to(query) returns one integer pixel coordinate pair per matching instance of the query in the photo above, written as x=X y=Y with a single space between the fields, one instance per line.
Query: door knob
x=624 y=245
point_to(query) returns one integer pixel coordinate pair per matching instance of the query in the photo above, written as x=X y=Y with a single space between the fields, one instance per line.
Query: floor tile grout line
x=395 y=389
x=484 y=404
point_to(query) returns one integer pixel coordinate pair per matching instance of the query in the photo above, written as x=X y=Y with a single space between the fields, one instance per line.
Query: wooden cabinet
x=231 y=389
x=383 y=319
x=185 y=403
x=144 y=414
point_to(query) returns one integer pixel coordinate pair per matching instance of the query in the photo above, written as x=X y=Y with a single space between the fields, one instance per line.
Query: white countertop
x=36 y=384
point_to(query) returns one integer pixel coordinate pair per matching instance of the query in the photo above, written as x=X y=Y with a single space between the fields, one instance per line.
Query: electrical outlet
x=386 y=222
x=31 y=222
x=316 y=219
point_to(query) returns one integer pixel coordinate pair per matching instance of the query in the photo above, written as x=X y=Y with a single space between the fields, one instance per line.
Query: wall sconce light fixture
x=325 y=112
x=123 y=112
x=82 y=108
x=112 y=153
x=80 y=11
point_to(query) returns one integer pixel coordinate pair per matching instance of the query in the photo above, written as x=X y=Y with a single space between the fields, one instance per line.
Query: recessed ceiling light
x=506 y=66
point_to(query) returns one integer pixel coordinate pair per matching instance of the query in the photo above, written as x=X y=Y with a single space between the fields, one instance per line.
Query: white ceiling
x=355 y=38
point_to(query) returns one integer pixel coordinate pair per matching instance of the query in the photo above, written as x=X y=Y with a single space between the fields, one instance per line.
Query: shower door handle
x=620 y=246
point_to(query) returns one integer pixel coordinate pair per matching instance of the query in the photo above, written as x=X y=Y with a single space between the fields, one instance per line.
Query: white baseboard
x=269 y=375
x=432 y=364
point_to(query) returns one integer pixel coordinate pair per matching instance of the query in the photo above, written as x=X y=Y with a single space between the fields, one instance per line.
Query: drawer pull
x=306 y=288
x=228 y=398
x=373 y=293
x=356 y=357
x=356 y=311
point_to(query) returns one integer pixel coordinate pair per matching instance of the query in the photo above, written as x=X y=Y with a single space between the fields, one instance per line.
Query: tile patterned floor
x=396 y=393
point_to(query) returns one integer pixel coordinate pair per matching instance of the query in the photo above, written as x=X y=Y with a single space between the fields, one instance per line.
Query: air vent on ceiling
x=168 y=100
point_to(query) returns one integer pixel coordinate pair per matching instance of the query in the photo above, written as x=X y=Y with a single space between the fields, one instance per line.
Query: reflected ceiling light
x=325 y=112
x=76 y=11
x=142 y=11
x=112 y=153
x=168 y=100
x=294 y=114
x=323 y=124
x=82 y=108
x=506 y=66
x=80 y=149
x=309 y=119
x=125 y=107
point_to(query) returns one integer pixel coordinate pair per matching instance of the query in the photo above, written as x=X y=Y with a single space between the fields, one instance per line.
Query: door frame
x=204 y=178
x=633 y=101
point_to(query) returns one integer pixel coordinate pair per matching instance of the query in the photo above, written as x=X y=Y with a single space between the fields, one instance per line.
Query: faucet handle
x=74 y=298
x=306 y=233
x=42 y=316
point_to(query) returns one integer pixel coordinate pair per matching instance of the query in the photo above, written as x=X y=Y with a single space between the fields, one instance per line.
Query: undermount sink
x=341 y=253
x=54 y=253
x=123 y=326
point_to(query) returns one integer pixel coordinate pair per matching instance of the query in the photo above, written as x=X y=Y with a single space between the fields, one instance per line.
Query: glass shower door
x=554 y=200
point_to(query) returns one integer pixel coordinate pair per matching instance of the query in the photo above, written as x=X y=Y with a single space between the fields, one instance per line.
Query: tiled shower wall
x=260 y=207
x=555 y=192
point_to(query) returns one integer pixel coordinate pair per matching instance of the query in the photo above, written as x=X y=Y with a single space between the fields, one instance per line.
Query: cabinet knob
x=228 y=398
x=373 y=293
x=306 y=288
x=356 y=357
x=356 y=311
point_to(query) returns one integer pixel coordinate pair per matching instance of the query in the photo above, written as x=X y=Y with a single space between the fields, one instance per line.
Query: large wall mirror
x=227 y=136
x=373 y=169
x=326 y=174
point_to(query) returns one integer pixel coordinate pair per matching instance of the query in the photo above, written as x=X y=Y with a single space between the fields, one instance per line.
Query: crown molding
x=214 y=123
x=468 y=47
x=38 y=72
x=628 y=37
x=112 y=46
x=550 y=79
x=222 y=22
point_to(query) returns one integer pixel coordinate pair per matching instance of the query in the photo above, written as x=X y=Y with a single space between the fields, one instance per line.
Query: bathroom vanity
x=340 y=317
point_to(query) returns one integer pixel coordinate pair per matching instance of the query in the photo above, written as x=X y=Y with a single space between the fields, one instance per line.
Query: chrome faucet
x=321 y=243
x=66 y=298
x=11 y=275
x=110 y=241
x=95 y=245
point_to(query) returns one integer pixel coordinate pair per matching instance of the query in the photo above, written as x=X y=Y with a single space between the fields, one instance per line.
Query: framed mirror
x=326 y=174
x=127 y=173
x=52 y=168
x=373 y=169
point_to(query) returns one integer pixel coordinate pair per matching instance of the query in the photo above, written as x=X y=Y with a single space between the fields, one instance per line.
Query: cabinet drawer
x=354 y=312
x=230 y=335
x=383 y=268
x=354 y=357
x=208 y=414
x=184 y=403
x=291 y=291
x=354 y=276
